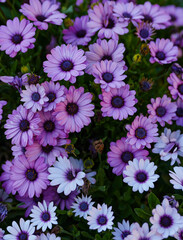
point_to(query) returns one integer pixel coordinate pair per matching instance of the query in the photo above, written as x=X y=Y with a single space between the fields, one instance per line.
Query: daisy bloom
x=65 y=201
x=17 y=36
x=176 y=86
x=2 y=103
x=42 y=13
x=16 y=82
x=24 y=230
x=124 y=229
x=100 y=218
x=48 y=237
x=177 y=178
x=21 y=126
x=43 y=216
x=163 y=51
x=144 y=31
x=175 y=14
x=1 y=234
x=179 y=113
x=63 y=174
x=18 y=150
x=34 y=97
x=75 y=112
x=118 y=103
x=82 y=206
x=30 y=78
x=140 y=175
x=166 y=221
x=65 y=62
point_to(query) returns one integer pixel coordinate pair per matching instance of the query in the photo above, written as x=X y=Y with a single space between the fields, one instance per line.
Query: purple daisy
x=34 y=97
x=177 y=39
x=29 y=178
x=17 y=36
x=162 y=110
x=179 y=113
x=176 y=86
x=75 y=112
x=108 y=74
x=103 y=20
x=121 y=153
x=175 y=14
x=65 y=62
x=145 y=31
x=21 y=126
x=118 y=103
x=18 y=150
x=104 y=50
x=163 y=51
x=141 y=132
x=79 y=33
x=30 y=78
x=42 y=13
x=2 y=103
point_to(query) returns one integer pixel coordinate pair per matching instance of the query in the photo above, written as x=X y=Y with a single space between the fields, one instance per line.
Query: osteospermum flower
x=43 y=216
x=124 y=229
x=142 y=132
x=42 y=13
x=176 y=86
x=177 y=178
x=165 y=220
x=1 y=234
x=79 y=33
x=16 y=82
x=175 y=14
x=169 y=145
x=162 y=110
x=100 y=218
x=21 y=126
x=121 y=153
x=118 y=103
x=18 y=150
x=17 y=36
x=48 y=236
x=139 y=174
x=65 y=201
x=144 y=31
x=63 y=174
x=82 y=206
x=163 y=51
x=29 y=177
x=179 y=234
x=75 y=112
x=2 y=103
x=179 y=113
x=24 y=230
x=65 y=62
x=108 y=74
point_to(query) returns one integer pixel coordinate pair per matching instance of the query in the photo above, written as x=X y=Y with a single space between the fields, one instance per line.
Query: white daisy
x=82 y=206
x=24 y=232
x=166 y=220
x=124 y=229
x=100 y=218
x=177 y=178
x=140 y=175
x=48 y=237
x=63 y=174
x=43 y=216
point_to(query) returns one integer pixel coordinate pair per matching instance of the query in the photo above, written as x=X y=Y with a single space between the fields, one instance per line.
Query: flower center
x=72 y=108
x=125 y=234
x=83 y=206
x=35 y=96
x=102 y=220
x=31 y=175
x=106 y=57
x=126 y=156
x=148 y=18
x=49 y=126
x=33 y=79
x=174 y=148
x=110 y=23
x=45 y=216
x=117 y=102
x=141 y=177
x=81 y=33
x=144 y=33
x=24 y=125
x=51 y=97
x=179 y=112
x=166 y=221
x=180 y=88
x=107 y=77
x=140 y=133
x=160 y=55
x=127 y=15
x=70 y=175
x=145 y=86
x=17 y=38
x=40 y=18
x=160 y=111
x=173 y=18
x=47 y=149
x=38 y=199
x=66 y=65
x=63 y=196
x=22 y=236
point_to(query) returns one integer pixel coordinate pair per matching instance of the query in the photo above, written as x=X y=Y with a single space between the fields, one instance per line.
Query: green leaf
x=142 y=214
x=153 y=200
x=86 y=235
x=97 y=237
x=178 y=196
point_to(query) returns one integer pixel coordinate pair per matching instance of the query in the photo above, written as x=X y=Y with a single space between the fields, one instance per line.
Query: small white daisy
x=82 y=206
x=63 y=174
x=177 y=178
x=48 y=237
x=124 y=229
x=100 y=218
x=166 y=220
x=4 y=197
x=140 y=175
x=43 y=216
x=24 y=232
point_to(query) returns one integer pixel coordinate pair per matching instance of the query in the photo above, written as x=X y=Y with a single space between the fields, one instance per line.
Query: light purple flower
x=177 y=178
x=124 y=229
x=16 y=82
x=176 y=86
x=175 y=14
x=179 y=113
x=18 y=150
x=145 y=31
x=2 y=103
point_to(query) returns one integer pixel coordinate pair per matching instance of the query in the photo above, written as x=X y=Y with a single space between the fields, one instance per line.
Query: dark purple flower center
x=107 y=77
x=143 y=238
x=117 y=102
x=173 y=18
x=35 y=96
x=66 y=65
x=174 y=148
x=110 y=24
x=24 y=125
x=31 y=175
x=81 y=33
x=49 y=126
x=127 y=15
x=106 y=57
x=63 y=196
x=47 y=149
x=126 y=156
x=23 y=236
x=45 y=216
x=70 y=175
x=23 y=150
x=141 y=176
x=179 y=112
x=102 y=220
x=160 y=111
x=181 y=235
x=33 y=79
x=38 y=199
x=144 y=33
x=72 y=108
x=145 y=86
x=140 y=133
x=147 y=18
x=17 y=38
x=180 y=89
x=83 y=206
x=125 y=234
x=51 y=96
x=165 y=221
x=40 y=18
x=160 y=55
